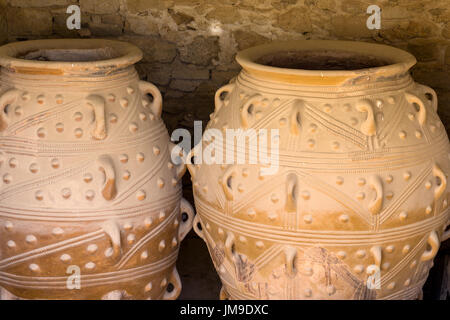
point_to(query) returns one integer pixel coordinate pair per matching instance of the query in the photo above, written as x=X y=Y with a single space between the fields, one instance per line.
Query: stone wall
x=190 y=45
x=3 y=24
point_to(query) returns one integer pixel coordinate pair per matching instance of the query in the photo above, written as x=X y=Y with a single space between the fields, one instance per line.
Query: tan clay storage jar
x=362 y=179
x=87 y=182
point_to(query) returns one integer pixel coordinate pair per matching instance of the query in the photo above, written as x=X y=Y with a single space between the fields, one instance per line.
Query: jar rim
x=121 y=54
x=398 y=61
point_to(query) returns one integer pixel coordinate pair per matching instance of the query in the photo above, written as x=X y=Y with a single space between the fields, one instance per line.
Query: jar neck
x=326 y=65
x=68 y=82
x=317 y=86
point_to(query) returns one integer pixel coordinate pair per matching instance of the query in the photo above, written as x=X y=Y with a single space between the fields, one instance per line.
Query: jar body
x=90 y=203
x=358 y=206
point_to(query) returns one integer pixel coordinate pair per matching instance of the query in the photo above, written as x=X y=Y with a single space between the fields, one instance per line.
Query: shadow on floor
x=198 y=275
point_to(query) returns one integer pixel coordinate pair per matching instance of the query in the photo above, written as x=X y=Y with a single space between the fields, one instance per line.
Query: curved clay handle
x=422 y=117
x=229 y=247
x=377 y=255
x=437 y=172
x=294 y=128
x=433 y=241
x=181 y=167
x=98 y=105
x=376 y=204
x=106 y=165
x=227 y=189
x=290 y=254
x=446 y=234
x=368 y=127
x=244 y=112
x=197 y=230
x=6 y=98
x=111 y=228
x=434 y=100
x=291 y=186
x=189 y=164
x=176 y=282
x=156 y=105
x=223 y=294
x=185 y=226
x=218 y=101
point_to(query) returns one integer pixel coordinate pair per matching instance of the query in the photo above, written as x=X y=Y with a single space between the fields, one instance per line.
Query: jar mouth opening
x=62 y=56
x=321 y=60
x=71 y=55
x=325 y=62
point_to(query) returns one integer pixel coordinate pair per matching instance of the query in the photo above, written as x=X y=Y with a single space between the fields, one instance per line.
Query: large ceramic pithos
x=90 y=201
x=359 y=204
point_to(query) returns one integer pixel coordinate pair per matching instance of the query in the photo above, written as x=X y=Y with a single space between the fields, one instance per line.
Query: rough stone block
x=321 y=4
x=433 y=78
x=180 y=18
x=220 y=78
x=171 y=93
x=184 y=85
x=158 y=74
x=394 y=12
x=247 y=39
x=422 y=28
x=440 y=14
x=40 y=3
x=399 y=30
x=446 y=31
x=155 y=49
x=295 y=20
x=3 y=29
x=189 y=72
x=142 y=25
x=105 y=30
x=258 y=4
x=351 y=27
x=139 y=6
x=201 y=51
x=354 y=7
x=447 y=56
x=394 y=30
x=100 y=6
x=29 y=21
x=224 y=14
x=424 y=49
x=115 y=19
